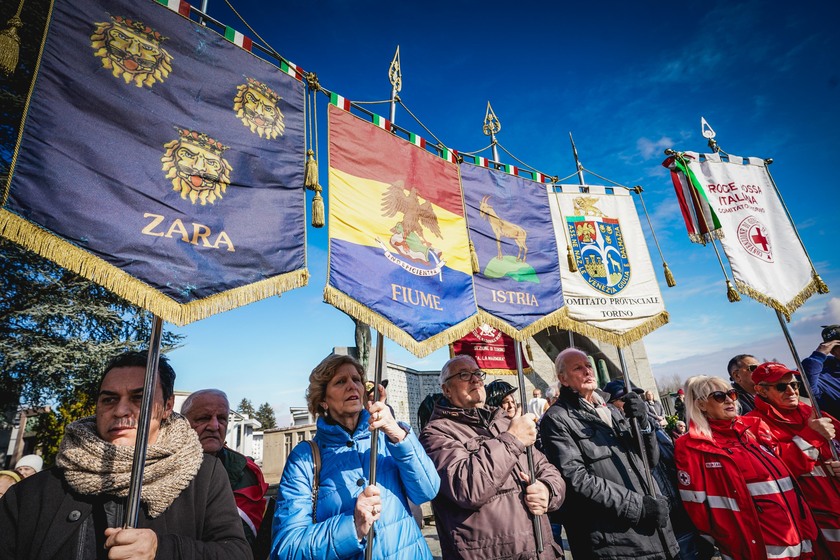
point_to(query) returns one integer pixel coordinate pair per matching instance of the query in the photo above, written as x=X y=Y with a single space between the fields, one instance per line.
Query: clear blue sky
x=628 y=79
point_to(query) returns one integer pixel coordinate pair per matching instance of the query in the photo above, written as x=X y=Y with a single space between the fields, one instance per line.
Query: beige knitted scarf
x=93 y=466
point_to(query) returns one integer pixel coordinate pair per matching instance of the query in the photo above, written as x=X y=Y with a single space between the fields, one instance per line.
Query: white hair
x=445 y=371
x=697 y=389
x=190 y=400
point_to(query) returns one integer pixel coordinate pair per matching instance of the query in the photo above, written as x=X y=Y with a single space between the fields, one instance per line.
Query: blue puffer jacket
x=403 y=471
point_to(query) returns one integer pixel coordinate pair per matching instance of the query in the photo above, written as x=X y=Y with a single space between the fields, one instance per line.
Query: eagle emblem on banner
x=599 y=248
x=130 y=49
x=409 y=239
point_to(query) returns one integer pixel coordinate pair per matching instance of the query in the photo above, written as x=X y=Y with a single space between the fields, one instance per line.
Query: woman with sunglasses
x=734 y=486
x=805 y=444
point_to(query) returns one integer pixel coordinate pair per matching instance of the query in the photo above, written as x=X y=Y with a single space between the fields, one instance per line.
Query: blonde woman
x=734 y=486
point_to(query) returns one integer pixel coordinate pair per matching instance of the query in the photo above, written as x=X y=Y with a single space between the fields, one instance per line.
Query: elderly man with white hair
x=610 y=512
x=486 y=497
x=208 y=412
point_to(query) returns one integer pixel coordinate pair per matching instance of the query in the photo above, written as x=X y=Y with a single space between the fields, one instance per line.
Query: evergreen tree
x=58 y=330
x=245 y=407
x=265 y=415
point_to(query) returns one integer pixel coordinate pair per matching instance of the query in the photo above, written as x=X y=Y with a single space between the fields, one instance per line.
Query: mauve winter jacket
x=480 y=510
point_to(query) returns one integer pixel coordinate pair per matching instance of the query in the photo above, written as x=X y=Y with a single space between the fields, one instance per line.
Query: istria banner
x=160 y=160
x=518 y=285
x=399 y=251
x=613 y=296
x=493 y=350
x=767 y=259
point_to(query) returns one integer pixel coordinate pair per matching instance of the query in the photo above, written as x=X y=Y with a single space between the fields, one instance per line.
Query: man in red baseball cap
x=805 y=445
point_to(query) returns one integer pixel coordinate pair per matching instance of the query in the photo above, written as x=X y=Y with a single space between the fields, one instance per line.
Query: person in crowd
x=656 y=412
x=501 y=393
x=823 y=370
x=740 y=370
x=335 y=521
x=487 y=499
x=805 y=443
x=208 y=412
x=610 y=510
x=551 y=394
x=538 y=404
x=679 y=405
x=679 y=430
x=692 y=545
x=76 y=509
x=733 y=484
x=29 y=465
x=7 y=479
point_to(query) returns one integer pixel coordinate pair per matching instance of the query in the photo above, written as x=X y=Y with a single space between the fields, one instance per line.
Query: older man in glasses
x=486 y=500
x=805 y=445
x=740 y=370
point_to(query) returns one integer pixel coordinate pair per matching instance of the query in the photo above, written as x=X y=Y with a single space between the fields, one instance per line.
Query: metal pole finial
x=709 y=133
x=395 y=73
x=492 y=124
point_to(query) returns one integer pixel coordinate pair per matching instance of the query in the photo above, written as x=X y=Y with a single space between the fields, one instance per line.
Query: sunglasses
x=752 y=367
x=782 y=387
x=468 y=375
x=720 y=396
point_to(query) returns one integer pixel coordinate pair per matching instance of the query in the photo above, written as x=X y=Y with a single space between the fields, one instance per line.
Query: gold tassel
x=451 y=351
x=528 y=351
x=822 y=288
x=731 y=293
x=310 y=175
x=10 y=46
x=474 y=259
x=318 y=208
x=669 y=276
x=571 y=259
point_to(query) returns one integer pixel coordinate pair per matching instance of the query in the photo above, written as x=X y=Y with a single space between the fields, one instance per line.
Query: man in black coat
x=76 y=510
x=610 y=511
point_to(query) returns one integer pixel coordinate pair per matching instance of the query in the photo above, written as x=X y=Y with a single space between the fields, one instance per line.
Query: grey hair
x=190 y=401
x=551 y=392
x=560 y=361
x=447 y=367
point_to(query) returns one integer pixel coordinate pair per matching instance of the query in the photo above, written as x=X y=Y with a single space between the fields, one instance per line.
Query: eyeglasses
x=468 y=375
x=720 y=396
x=782 y=387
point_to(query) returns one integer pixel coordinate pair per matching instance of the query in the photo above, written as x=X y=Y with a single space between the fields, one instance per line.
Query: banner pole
x=132 y=509
x=814 y=404
x=374 y=434
x=529 y=453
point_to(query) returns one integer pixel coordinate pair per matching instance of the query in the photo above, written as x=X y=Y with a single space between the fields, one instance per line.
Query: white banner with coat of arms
x=613 y=295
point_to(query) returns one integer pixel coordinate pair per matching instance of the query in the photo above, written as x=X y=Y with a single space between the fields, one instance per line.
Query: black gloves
x=655 y=511
x=634 y=407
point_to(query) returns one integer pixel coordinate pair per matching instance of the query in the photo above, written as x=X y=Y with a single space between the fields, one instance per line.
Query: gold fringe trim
x=559 y=319
x=527 y=371
x=345 y=303
x=785 y=309
x=620 y=340
x=136 y=291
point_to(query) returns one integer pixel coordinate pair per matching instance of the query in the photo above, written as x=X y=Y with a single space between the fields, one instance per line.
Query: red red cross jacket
x=739 y=492
x=804 y=451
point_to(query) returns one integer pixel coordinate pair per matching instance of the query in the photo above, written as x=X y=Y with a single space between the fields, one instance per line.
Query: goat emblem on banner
x=599 y=249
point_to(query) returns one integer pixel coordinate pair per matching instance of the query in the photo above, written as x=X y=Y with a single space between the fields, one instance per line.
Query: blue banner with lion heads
x=160 y=160
x=518 y=285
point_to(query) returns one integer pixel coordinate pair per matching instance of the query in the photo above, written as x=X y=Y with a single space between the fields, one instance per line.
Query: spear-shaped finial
x=709 y=134
x=492 y=124
x=395 y=73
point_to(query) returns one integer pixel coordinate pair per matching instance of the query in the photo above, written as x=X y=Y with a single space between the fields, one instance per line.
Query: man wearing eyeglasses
x=740 y=370
x=805 y=445
x=486 y=500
